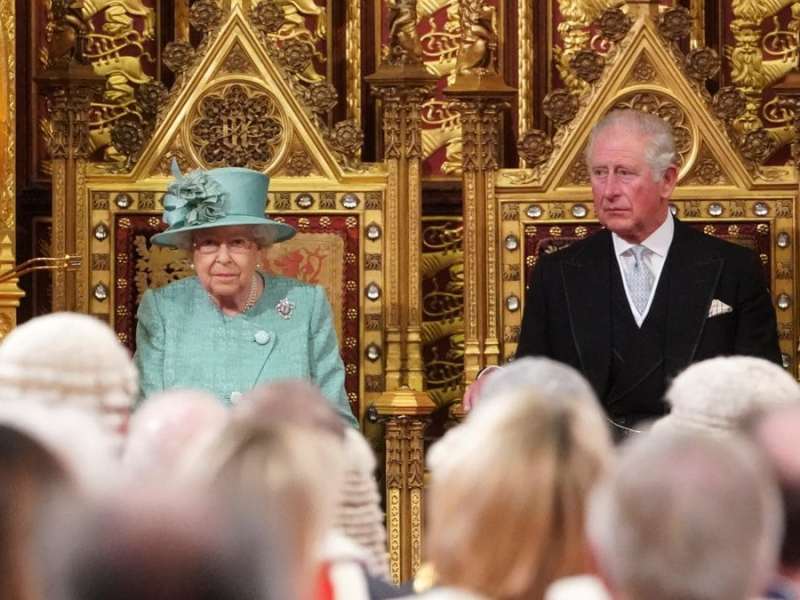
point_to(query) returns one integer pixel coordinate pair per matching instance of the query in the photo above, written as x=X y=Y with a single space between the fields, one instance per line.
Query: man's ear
x=668 y=181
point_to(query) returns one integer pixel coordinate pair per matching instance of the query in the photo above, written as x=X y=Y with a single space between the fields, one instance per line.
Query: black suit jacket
x=568 y=307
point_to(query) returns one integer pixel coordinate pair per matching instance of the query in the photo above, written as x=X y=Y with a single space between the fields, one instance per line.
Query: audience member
x=716 y=396
x=29 y=475
x=168 y=429
x=776 y=433
x=145 y=544
x=358 y=514
x=289 y=471
x=87 y=450
x=69 y=359
x=686 y=516
x=505 y=516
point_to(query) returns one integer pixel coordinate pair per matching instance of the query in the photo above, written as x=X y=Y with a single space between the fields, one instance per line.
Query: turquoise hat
x=222 y=197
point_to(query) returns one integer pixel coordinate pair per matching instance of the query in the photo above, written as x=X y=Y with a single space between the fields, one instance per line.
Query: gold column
x=480 y=95
x=405 y=471
x=403 y=84
x=10 y=293
x=70 y=85
x=353 y=51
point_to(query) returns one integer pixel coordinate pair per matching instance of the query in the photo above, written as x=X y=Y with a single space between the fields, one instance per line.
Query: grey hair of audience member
x=717 y=395
x=686 y=516
x=69 y=359
x=548 y=377
x=660 y=150
x=776 y=433
x=289 y=470
x=529 y=379
x=514 y=488
x=170 y=428
x=358 y=512
x=146 y=543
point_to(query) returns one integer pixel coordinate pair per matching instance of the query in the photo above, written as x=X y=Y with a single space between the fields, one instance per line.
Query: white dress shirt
x=658 y=243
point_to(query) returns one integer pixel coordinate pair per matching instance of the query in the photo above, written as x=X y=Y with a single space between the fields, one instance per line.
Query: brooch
x=285 y=308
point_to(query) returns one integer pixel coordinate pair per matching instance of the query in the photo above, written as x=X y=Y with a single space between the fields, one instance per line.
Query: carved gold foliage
x=205 y=15
x=643 y=71
x=267 y=17
x=535 y=147
x=237 y=125
x=178 y=56
x=706 y=170
x=675 y=23
x=578 y=173
x=347 y=138
x=702 y=63
x=238 y=61
x=151 y=96
x=758 y=145
x=614 y=24
x=321 y=96
x=298 y=164
x=128 y=136
x=588 y=65
x=560 y=106
x=729 y=103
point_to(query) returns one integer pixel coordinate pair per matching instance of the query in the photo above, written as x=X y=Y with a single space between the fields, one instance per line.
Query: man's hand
x=472 y=393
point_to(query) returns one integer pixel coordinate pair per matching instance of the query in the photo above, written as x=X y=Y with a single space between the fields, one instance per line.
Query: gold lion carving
x=478 y=38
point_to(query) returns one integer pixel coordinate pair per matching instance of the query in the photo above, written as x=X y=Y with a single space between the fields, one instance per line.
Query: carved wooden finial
x=6 y=253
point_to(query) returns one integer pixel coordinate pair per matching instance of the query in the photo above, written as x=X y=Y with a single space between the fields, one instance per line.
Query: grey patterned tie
x=639 y=278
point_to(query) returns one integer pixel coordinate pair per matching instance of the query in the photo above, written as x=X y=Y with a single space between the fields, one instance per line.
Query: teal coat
x=183 y=340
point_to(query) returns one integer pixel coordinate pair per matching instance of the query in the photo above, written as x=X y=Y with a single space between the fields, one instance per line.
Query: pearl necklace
x=252 y=296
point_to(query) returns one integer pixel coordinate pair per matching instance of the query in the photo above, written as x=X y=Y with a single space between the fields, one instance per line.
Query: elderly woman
x=233 y=326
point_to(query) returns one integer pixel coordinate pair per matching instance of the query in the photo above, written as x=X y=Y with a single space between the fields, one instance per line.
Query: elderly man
x=686 y=516
x=639 y=301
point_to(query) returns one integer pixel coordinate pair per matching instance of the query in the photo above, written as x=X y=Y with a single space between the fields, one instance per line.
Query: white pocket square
x=718 y=307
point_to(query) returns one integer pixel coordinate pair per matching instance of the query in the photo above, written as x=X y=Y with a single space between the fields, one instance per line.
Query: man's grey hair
x=659 y=151
x=548 y=378
x=686 y=516
x=719 y=395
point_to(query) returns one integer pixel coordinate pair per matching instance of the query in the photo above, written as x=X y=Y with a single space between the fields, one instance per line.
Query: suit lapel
x=693 y=281
x=586 y=278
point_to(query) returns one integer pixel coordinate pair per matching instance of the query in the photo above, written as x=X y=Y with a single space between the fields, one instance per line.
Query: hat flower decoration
x=223 y=197
x=194 y=198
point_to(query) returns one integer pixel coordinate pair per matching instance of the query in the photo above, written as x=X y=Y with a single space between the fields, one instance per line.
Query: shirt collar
x=658 y=242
